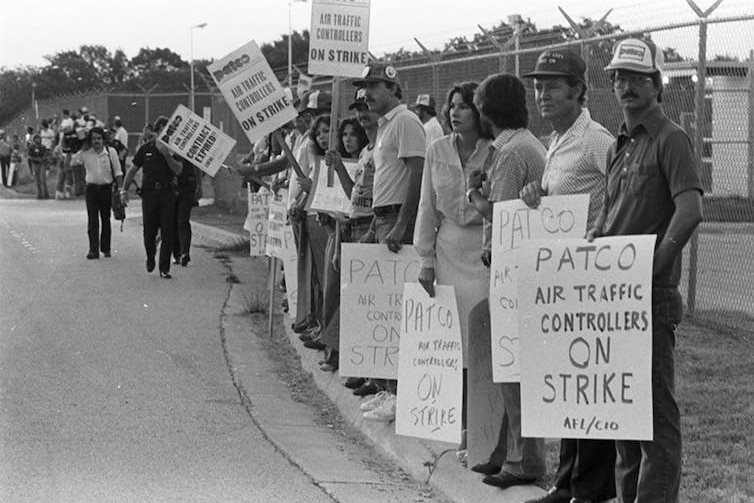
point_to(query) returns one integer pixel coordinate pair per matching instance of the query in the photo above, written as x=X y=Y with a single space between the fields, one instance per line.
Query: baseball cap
x=636 y=55
x=316 y=100
x=425 y=100
x=377 y=72
x=359 y=99
x=558 y=64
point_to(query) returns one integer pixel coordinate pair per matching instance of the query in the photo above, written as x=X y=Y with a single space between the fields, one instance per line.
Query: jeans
x=98 y=206
x=157 y=206
x=587 y=468
x=40 y=175
x=65 y=177
x=4 y=167
x=650 y=471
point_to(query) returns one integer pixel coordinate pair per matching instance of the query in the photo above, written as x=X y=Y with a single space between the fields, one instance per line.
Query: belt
x=391 y=209
x=354 y=221
x=155 y=186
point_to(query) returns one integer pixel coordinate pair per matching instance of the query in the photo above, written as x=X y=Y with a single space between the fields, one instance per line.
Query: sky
x=52 y=26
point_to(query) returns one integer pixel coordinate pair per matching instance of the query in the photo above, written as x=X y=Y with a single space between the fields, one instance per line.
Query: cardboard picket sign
x=430 y=371
x=339 y=38
x=371 y=293
x=278 y=216
x=196 y=140
x=290 y=267
x=252 y=91
x=256 y=221
x=586 y=346
x=11 y=173
x=330 y=199
x=513 y=224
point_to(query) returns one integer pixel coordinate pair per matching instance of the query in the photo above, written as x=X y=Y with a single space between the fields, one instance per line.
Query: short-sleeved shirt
x=154 y=166
x=301 y=150
x=576 y=162
x=516 y=159
x=648 y=167
x=433 y=130
x=400 y=135
x=48 y=137
x=37 y=153
x=99 y=167
x=363 y=185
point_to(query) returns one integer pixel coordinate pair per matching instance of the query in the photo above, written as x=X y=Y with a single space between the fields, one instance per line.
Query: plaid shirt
x=516 y=158
x=576 y=162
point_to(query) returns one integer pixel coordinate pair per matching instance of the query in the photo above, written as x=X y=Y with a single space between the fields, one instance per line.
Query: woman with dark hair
x=351 y=140
x=103 y=176
x=448 y=228
x=313 y=237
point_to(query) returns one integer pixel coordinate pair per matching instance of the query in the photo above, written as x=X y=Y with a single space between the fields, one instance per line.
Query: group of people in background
x=433 y=185
x=91 y=162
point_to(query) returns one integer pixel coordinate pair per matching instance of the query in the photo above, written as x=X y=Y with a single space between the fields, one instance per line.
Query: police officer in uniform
x=157 y=197
x=189 y=181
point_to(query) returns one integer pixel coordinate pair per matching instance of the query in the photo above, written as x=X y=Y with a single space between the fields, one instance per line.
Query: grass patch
x=254 y=302
x=715 y=389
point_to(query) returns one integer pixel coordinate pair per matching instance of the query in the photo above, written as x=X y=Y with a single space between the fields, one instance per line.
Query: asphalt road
x=113 y=382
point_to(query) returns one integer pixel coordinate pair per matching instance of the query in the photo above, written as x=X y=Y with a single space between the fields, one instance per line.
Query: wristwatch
x=469 y=192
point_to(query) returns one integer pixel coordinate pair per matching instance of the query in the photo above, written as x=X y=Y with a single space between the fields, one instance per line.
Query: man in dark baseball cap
x=575 y=164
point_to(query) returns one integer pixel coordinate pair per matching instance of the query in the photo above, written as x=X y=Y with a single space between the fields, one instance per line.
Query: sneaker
x=385 y=412
x=374 y=402
x=59 y=195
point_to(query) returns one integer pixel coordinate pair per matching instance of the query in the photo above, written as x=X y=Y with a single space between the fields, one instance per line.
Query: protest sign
x=277 y=217
x=256 y=221
x=339 y=38
x=331 y=199
x=196 y=140
x=290 y=268
x=513 y=224
x=371 y=299
x=586 y=347
x=430 y=366
x=252 y=91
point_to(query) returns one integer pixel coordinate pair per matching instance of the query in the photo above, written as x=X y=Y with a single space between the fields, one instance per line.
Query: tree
x=277 y=52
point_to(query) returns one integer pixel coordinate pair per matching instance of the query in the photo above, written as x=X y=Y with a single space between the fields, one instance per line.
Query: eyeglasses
x=634 y=80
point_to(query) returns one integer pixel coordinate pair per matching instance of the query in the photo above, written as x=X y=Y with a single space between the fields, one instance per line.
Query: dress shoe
x=150 y=264
x=107 y=254
x=185 y=259
x=488 y=468
x=301 y=327
x=306 y=337
x=554 y=495
x=315 y=344
x=365 y=389
x=328 y=367
x=165 y=275
x=92 y=255
x=505 y=480
x=354 y=382
x=176 y=260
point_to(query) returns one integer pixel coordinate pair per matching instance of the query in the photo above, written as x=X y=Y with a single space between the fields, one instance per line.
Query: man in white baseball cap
x=652 y=188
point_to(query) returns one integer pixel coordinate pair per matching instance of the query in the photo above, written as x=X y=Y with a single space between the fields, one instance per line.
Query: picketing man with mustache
x=652 y=188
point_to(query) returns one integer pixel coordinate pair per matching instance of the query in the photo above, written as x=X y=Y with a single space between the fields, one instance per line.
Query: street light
x=290 y=47
x=191 y=62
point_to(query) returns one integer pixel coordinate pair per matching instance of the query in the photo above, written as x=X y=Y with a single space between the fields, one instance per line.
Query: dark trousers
x=4 y=167
x=182 y=224
x=98 y=205
x=158 y=207
x=40 y=176
x=587 y=468
x=650 y=471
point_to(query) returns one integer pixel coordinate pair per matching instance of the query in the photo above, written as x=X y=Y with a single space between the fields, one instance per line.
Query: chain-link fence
x=713 y=100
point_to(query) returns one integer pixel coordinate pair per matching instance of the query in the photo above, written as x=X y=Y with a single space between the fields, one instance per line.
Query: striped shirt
x=576 y=162
x=516 y=159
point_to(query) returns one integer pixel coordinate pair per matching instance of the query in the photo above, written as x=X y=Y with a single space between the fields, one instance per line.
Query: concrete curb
x=432 y=462
x=219 y=236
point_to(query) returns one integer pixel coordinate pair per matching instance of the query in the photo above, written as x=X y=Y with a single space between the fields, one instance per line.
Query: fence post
x=688 y=125
x=750 y=135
